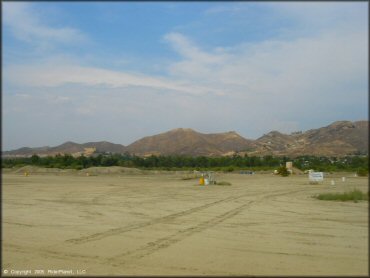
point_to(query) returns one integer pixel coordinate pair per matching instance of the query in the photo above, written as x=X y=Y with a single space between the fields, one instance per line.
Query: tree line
x=177 y=162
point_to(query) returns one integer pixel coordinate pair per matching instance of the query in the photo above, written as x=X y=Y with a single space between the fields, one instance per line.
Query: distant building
x=289 y=166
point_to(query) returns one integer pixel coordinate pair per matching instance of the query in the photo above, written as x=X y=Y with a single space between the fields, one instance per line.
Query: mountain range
x=337 y=139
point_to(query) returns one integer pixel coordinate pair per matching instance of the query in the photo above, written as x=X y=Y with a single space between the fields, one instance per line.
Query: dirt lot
x=160 y=224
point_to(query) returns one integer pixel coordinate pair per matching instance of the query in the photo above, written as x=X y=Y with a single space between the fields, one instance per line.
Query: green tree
x=283 y=171
x=35 y=159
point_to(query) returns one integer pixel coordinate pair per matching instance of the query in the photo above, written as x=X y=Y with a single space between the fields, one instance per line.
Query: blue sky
x=119 y=71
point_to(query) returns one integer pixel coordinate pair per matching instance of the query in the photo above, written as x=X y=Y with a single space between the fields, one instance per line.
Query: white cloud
x=313 y=65
x=26 y=25
x=52 y=75
x=188 y=49
x=326 y=15
x=23 y=95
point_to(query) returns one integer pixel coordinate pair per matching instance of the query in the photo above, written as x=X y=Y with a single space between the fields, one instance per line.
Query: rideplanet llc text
x=25 y=272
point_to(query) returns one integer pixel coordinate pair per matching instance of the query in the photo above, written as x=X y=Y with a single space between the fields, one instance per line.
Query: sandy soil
x=159 y=224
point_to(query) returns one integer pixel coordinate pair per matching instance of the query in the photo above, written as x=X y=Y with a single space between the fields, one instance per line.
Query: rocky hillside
x=69 y=148
x=189 y=142
x=337 y=139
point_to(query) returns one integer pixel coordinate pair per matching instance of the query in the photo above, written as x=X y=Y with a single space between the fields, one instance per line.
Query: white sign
x=316 y=176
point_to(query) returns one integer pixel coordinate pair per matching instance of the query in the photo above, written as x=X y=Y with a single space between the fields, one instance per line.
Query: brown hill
x=337 y=139
x=274 y=141
x=178 y=141
x=26 y=151
x=68 y=148
x=189 y=142
x=231 y=142
x=105 y=147
x=341 y=137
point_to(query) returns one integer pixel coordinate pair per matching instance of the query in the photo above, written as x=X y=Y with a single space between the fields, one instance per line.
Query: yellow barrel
x=201 y=181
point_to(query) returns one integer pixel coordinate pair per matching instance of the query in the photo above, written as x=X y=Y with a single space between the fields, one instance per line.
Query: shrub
x=230 y=169
x=77 y=167
x=283 y=171
x=362 y=172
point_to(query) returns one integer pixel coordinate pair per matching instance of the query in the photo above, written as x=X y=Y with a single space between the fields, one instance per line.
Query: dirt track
x=159 y=224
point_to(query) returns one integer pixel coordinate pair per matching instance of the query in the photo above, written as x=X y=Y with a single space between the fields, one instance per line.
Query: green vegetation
x=283 y=171
x=354 y=195
x=331 y=164
x=363 y=172
x=233 y=163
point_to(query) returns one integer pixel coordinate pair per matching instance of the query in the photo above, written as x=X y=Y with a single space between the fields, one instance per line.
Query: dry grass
x=354 y=195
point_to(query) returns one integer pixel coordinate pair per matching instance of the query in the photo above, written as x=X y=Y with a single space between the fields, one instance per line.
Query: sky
x=119 y=71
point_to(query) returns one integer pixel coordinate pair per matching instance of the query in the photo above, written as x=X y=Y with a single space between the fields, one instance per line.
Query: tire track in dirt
x=18 y=224
x=150 y=247
x=165 y=242
x=180 y=235
x=167 y=218
x=66 y=198
x=52 y=254
x=164 y=219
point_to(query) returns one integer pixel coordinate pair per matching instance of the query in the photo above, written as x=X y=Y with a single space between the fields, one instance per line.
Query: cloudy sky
x=119 y=71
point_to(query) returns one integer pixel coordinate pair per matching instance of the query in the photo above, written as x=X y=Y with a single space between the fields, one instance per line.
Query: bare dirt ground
x=159 y=224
